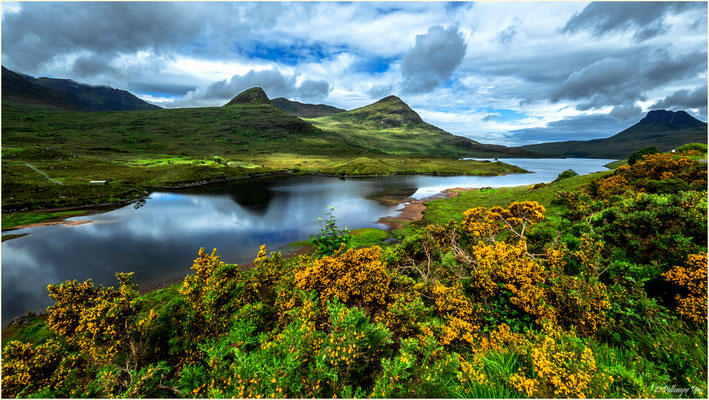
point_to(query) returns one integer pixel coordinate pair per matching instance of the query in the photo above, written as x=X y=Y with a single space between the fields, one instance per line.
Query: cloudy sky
x=505 y=73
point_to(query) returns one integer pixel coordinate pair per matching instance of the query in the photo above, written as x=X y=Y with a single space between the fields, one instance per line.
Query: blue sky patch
x=373 y=65
x=288 y=54
x=504 y=114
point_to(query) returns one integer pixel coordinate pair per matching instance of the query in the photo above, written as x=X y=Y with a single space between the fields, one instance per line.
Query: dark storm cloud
x=620 y=80
x=272 y=81
x=380 y=91
x=506 y=36
x=626 y=112
x=431 y=62
x=647 y=19
x=91 y=65
x=165 y=88
x=39 y=32
x=585 y=127
x=683 y=99
x=313 y=90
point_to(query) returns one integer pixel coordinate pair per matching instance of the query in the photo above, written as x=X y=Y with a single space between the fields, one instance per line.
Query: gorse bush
x=636 y=156
x=607 y=300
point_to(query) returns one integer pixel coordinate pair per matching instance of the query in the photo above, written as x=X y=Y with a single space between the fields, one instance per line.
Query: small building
x=98 y=182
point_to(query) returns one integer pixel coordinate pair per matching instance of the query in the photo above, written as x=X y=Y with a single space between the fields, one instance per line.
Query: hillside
x=49 y=156
x=65 y=94
x=664 y=129
x=18 y=88
x=305 y=110
x=393 y=127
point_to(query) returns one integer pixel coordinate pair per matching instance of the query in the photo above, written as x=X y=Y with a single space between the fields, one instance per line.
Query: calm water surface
x=159 y=239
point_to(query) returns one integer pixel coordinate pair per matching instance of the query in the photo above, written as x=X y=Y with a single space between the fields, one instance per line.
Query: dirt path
x=44 y=174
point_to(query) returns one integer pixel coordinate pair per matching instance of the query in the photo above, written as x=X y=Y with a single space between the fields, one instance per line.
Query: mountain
x=66 y=94
x=255 y=95
x=391 y=126
x=305 y=110
x=19 y=88
x=261 y=115
x=664 y=129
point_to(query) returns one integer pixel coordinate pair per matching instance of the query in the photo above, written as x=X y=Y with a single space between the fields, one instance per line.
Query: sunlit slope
x=391 y=126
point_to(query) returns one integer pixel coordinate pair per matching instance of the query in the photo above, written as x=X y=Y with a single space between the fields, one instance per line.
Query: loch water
x=158 y=238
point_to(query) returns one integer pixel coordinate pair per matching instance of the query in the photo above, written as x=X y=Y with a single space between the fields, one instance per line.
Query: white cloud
x=163 y=53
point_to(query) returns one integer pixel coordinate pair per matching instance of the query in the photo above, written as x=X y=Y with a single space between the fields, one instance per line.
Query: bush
x=698 y=147
x=330 y=237
x=636 y=156
x=569 y=173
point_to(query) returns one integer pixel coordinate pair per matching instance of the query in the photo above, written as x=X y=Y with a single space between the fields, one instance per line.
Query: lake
x=158 y=238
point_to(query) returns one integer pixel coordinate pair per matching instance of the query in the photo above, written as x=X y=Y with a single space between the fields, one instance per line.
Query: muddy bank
x=413 y=209
x=38 y=224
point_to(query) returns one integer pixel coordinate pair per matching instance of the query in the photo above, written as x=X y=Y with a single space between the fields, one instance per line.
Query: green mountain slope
x=391 y=126
x=664 y=129
x=65 y=94
x=305 y=110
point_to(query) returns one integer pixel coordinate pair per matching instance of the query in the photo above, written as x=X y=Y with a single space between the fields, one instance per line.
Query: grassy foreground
x=592 y=286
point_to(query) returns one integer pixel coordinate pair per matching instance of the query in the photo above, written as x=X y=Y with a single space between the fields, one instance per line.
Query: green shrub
x=330 y=238
x=636 y=156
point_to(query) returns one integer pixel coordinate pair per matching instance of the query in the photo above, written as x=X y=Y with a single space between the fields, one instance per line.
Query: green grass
x=366 y=237
x=12 y=220
x=443 y=210
x=159 y=299
x=34 y=330
x=616 y=164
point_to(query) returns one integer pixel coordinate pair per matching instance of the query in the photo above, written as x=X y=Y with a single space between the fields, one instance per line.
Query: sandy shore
x=413 y=209
x=38 y=224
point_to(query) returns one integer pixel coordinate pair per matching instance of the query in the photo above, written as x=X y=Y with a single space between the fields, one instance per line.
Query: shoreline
x=414 y=208
x=188 y=185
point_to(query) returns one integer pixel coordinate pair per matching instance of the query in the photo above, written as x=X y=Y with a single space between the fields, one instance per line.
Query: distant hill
x=664 y=129
x=65 y=94
x=393 y=127
x=264 y=117
x=255 y=95
x=305 y=110
x=18 y=88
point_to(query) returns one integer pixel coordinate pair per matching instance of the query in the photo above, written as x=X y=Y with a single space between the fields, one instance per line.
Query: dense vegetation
x=592 y=286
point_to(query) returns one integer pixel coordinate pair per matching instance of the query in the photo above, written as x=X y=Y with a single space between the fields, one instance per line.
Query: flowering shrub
x=559 y=365
x=464 y=308
x=356 y=277
x=693 y=278
x=214 y=291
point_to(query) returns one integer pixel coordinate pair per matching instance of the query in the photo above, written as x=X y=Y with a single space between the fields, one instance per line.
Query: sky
x=496 y=72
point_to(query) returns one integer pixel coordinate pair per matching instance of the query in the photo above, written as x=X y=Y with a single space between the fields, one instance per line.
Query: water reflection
x=159 y=238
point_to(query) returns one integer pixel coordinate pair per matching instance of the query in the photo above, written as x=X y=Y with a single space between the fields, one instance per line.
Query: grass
x=366 y=237
x=616 y=164
x=443 y=210
x=363 y=237
x=33 y=330
x=13 y=220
